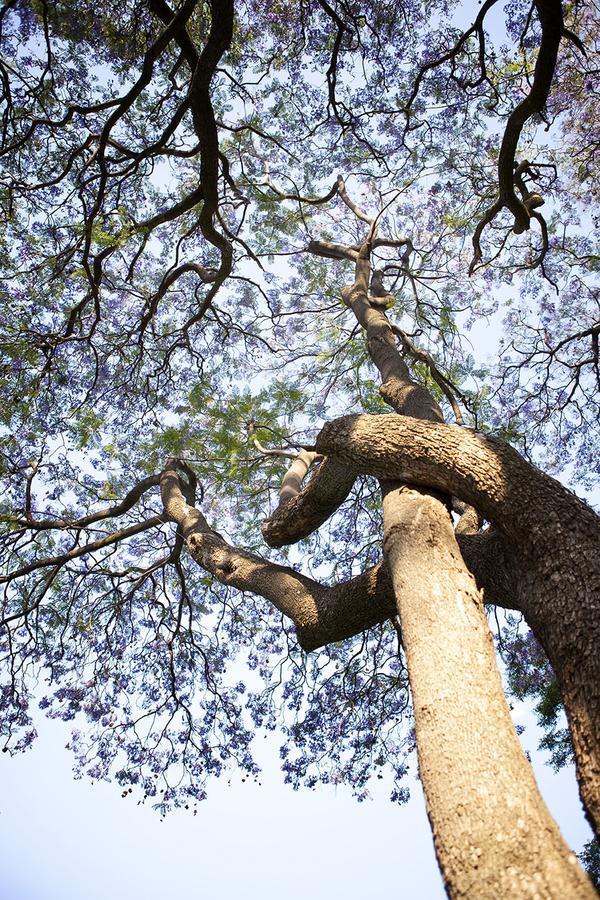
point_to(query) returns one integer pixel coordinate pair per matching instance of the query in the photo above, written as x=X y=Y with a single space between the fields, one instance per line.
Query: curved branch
x=312 y=201
x=164 y=12
x=551 y=20
x=449 y=55
x=484 y=471
x=321 y=614
x=397 y=388
x=219 y=40
x=173 y=212
x=331 y=73
x=299 y=515
x=358 y=212
x=553 y=535
x=205 y=274
x=203 y=67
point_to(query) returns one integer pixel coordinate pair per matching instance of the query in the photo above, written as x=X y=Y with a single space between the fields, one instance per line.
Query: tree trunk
x=493 y=834
x=555 y=538
x=563 y=614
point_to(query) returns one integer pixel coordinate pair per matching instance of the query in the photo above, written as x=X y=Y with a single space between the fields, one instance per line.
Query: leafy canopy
x=163 y=172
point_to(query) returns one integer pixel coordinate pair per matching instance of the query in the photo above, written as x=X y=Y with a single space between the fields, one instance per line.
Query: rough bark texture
x=321 y=614
x=351 y=607
x=555 y=538
x=560 y=599
x=529 y=506
x=493 y=835
x=397 y=387
x=493 y=563
x=298 y=516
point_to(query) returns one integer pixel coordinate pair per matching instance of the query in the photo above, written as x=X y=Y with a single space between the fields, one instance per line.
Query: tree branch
x=483 y=471
x=551 y=20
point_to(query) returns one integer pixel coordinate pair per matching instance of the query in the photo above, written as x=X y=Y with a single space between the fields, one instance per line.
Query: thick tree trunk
x=560 y=599
x=555 y=538
x=429 y=573
x=493 y=834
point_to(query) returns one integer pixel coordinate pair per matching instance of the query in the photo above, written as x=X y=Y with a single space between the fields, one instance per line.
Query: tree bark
x=424 y=578
x=299 y=515
x=493 y=834
x=322 y=614
x=554 y=536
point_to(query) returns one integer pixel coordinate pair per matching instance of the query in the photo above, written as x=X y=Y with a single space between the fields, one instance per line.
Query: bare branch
x=551 y=20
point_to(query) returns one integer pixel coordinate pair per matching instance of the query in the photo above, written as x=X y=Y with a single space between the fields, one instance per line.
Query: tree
x=160 y=368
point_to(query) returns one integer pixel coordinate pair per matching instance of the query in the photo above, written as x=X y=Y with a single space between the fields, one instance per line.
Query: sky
x=62 y=839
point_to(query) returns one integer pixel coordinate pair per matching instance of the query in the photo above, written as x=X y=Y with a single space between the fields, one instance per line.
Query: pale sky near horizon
x=62 y=839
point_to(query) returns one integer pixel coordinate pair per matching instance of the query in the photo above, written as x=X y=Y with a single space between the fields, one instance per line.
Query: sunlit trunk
x=493 y=834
